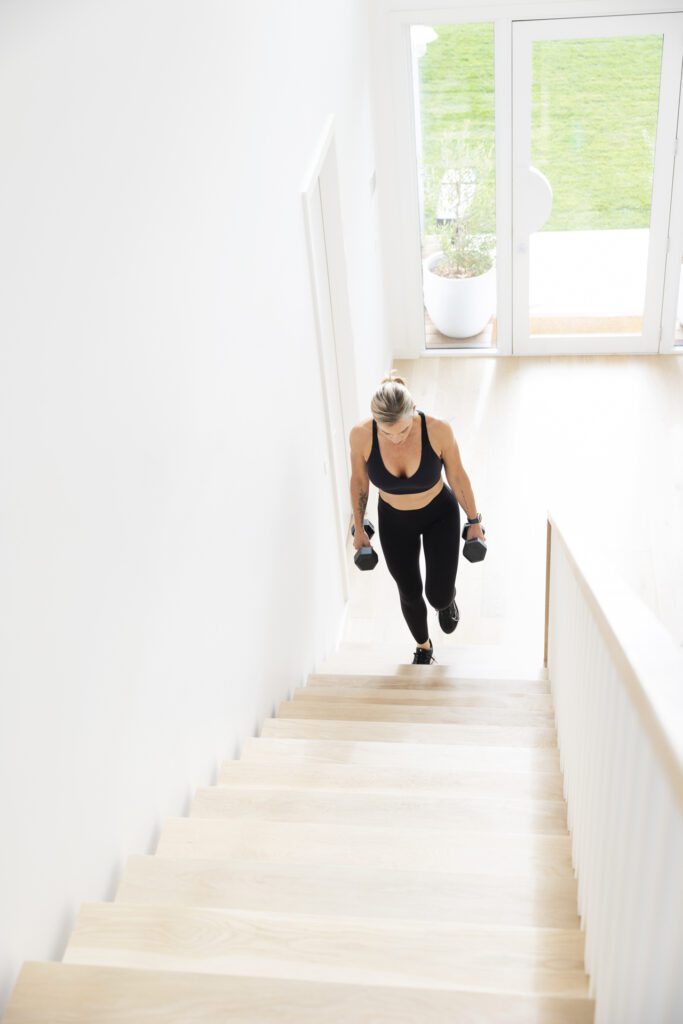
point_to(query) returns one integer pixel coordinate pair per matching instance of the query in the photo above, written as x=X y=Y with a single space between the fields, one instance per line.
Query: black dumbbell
x=474 y=550
x=365 y=558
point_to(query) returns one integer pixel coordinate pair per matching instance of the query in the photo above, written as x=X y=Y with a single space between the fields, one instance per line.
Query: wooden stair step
x=384 y=712
x=471 y=697
x=452 y=850
x=361 y=951
x=390 y=754
x=407 y=732
x=351 y=890
x=57 y=993
x=434 y=683
x=452 y=660
x=380 y=778
x=398 y=810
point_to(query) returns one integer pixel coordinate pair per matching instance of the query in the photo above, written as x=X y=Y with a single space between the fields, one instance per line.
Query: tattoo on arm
x=461 y=497
x=362 y=502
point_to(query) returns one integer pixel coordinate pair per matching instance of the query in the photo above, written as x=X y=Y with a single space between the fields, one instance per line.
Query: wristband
x=473 y=522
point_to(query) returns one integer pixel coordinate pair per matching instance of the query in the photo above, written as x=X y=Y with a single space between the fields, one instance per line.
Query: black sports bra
x=426 y=475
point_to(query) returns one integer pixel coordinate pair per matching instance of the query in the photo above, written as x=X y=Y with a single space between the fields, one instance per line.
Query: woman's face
x=396 y=433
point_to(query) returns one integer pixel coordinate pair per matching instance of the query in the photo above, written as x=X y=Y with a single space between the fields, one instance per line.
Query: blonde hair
x=392 y=400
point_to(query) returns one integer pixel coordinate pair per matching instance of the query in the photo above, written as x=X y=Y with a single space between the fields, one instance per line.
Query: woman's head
x=392 y=406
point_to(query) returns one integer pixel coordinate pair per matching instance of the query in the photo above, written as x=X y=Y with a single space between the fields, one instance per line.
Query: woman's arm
x=360 y=483
x=458 y=479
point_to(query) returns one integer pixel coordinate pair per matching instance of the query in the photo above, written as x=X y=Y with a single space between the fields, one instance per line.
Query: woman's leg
x=441 y=539
x=400 y=539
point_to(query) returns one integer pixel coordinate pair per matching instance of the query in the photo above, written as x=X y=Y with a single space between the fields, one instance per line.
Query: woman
x=402 y=452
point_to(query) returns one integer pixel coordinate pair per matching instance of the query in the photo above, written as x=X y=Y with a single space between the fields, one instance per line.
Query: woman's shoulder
x=441 y=426
x=440 y=432
x=364 y=427
x=360 y=436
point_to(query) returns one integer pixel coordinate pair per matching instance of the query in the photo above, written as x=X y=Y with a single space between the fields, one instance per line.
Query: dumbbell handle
x=366 y=524
x=368 y=528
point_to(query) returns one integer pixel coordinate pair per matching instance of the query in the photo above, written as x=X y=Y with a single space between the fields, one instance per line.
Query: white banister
x=617 y=680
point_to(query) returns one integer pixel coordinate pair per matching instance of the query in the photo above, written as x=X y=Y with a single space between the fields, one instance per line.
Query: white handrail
x=617 y=680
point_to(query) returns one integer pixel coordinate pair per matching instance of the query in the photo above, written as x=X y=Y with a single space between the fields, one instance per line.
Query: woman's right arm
x=360 y=486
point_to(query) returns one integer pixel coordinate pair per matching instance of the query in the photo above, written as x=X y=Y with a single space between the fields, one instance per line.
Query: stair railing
x=616 y=676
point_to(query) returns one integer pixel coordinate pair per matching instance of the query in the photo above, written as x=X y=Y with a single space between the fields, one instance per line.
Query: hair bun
x=393 y=378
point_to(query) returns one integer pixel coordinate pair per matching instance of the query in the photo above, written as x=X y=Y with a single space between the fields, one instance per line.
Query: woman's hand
x=476 y=531
x=361 y=540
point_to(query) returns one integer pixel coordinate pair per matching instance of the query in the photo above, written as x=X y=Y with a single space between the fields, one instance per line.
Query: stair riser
x=54 y=993
x=317 y=948
x=286 y=842
x=384 y=810
x=472 y=698
x=386 y=754
x=434 y=684
x=399 y=732
x=360 y=778
x=351 y=891
x=367 y=712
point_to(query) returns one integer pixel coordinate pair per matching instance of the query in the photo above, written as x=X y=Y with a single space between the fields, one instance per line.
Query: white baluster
x=652 y=844
x=595 y=808
x=616 y=854
x=642 y=822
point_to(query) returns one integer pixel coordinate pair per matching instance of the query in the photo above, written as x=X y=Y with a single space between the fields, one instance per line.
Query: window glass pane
x=594 y=115
x=455 y=145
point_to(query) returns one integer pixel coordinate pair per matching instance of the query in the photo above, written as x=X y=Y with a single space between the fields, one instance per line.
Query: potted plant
x=459 y=279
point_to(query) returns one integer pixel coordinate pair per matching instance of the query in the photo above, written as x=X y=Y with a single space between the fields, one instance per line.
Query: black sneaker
x=449 y=617
x=424 y=655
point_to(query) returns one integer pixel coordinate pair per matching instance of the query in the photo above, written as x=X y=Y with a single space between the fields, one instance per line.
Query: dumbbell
x=365 y=558
x=474 y=550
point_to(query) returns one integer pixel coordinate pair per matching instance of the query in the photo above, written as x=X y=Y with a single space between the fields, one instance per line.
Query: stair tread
x=362 y=950
x=350 y=889
x=453 y=659
x=409 y=678
x=462 y=697
x=422 y=732
x=382 y=778
x=424 y=810
x=314 y=843
x=384 y=753
x=413 y=714
x=57 y=993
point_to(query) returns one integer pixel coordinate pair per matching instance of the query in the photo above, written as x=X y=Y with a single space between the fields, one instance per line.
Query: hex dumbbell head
x=474 y=550
x=366 y=558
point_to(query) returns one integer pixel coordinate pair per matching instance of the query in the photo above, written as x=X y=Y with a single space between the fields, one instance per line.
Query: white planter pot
x=459 y=307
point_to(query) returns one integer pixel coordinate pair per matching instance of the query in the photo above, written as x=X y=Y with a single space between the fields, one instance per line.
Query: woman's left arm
x=458 y=479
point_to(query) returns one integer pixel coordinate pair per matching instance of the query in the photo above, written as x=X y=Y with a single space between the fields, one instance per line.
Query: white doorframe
x=320 y=196
x=674 y=254
x=396 y=158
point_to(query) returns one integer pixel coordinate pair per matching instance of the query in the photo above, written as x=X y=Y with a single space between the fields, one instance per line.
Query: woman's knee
x=440 y=594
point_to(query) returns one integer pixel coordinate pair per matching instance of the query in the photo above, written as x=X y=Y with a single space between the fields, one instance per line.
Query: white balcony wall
x=167 y=559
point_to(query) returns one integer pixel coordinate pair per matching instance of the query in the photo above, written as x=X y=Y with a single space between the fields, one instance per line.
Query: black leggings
x=399 y=534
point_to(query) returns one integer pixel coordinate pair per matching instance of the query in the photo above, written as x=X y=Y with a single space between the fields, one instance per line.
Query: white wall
x=166 y=534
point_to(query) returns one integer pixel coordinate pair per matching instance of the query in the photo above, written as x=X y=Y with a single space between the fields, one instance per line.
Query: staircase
x=392 y=848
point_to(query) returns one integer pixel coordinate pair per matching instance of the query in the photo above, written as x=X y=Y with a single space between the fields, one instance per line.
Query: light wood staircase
x=392 y=848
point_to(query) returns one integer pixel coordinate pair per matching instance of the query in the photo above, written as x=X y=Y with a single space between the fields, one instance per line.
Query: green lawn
x=594 y=115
